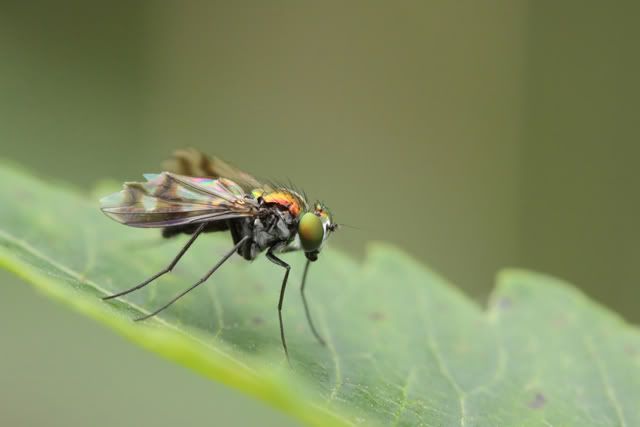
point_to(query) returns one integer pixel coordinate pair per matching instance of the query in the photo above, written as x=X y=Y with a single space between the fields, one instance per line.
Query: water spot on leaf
x=538 y=401
x=560 y=322
x=631 y=350
x=505 y=303
x=377 y=316
x=440 y=307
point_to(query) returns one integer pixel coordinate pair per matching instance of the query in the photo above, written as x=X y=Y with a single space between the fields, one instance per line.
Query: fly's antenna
x=340 y=225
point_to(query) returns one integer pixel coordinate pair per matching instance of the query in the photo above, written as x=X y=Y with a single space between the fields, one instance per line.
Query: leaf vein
x=405 y=395
x=605 y=379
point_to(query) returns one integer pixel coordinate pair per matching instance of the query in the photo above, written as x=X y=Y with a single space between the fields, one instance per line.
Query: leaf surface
x=404 y=346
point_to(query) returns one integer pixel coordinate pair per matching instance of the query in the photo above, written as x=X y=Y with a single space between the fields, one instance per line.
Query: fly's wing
x=192 y=162
x=168 y=200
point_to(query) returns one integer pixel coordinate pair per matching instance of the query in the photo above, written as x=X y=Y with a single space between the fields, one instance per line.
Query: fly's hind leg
x=165 y=270
x=199 y=282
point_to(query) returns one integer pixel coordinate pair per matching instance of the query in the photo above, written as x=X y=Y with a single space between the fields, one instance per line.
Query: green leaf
x=404 y=346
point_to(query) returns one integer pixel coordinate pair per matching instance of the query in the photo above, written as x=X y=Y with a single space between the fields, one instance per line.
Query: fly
x=198 y=194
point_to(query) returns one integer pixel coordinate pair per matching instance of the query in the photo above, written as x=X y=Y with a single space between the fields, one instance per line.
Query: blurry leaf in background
x=404 y=346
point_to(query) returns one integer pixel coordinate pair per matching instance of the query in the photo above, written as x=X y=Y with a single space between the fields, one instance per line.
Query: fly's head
x=314 y=227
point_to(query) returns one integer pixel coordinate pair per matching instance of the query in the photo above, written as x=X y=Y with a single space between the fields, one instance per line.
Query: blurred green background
x=475 y=135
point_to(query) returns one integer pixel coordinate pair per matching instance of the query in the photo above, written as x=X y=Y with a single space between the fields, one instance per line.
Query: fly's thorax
x=285 y=219
x=283 y=199
x=273 y=226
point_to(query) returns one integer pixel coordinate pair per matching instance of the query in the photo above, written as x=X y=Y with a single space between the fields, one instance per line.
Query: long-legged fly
x=198 y=194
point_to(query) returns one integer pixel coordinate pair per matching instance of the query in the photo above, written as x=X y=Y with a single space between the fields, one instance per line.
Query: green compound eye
x=311 y=232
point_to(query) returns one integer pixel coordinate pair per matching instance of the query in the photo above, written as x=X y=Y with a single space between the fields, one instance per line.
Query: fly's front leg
x=274 y=259
x=306 y=306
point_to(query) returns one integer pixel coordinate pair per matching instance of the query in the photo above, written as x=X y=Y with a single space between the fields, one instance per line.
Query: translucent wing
x=168 y=199
x=192 y=162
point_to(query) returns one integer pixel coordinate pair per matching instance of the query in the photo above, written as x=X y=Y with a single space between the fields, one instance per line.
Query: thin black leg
x=306 y=307
x=164 y=270
x=274 y=259
x=199 y=282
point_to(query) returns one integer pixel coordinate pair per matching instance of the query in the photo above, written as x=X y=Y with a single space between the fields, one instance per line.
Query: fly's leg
x=274 y=259
x=306 y=307
x=164 y=270
x=199 y=282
